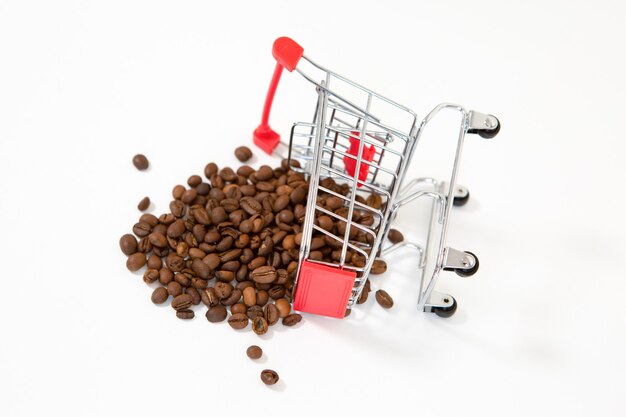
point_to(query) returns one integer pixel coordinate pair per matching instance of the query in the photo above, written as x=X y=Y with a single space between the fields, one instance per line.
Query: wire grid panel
x=366 y=200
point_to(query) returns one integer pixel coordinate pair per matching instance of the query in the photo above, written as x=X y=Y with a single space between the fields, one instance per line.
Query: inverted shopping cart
x=365 y=142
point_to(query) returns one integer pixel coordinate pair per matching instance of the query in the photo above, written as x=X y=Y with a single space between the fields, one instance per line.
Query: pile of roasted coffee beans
x=231 y=242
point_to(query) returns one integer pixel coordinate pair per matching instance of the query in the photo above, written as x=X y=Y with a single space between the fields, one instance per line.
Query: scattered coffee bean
x=140 y=162
x=254 y=352
x=216 y=314
x=384 y=299
x=185 y=314
x=238 y=321
x=395 y=236
x=182 y=302
x=243 y=153
x=160 y=295
x=269 y=377
x=144 y=204
x=136 y=261
x=292 y=319
x=128 y=244
x=259 y=325
x=378 y=267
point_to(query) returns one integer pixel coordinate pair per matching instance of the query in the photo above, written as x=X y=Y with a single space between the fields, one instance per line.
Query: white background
x=540 y=329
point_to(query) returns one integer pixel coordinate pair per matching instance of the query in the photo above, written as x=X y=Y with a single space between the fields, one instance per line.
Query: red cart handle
x=287 y=54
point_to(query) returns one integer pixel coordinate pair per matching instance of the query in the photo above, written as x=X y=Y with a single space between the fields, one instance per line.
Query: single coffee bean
x=157 y=239
x=165 y=276
x=151 y=219
x=233 y=298
x=271 y=314
x=292 y=319
x=128 y=244
x=375 y=201
x=176 y=229
x=254 y=311
x=189 y=196
x=142 y=229
x=185 y=314
x=254 y=352
x=144 y=204
x=264 y=274
x=178 y=191
x=209 y=297
x=140 y=162
x=174 y=262
x=150 y=276
x=283 y=306
x=182 y=302
x=160 y=295
x=238 y=321
x=395 y=236
x=259 y=325
x=384 y=299
x=243 y=153
x=264 y=173
x=210 y=169
x=269 y=377
x=136 y=261
x=195 y=295
x=174 y=289
x=262 y=298
x=201 y=269
x=238 y=308
x=194 y=180
x=249 y=296
x=177 y=208
x=216 y=314
x=378 y=267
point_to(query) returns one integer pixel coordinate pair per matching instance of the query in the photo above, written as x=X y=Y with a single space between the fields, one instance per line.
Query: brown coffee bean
x=178 y=191
x=238 y=308
x=264 y=173
x=209 y=297
x=157 y=239
x=223 y=290
x=150 y=276
x=238 y=321
x=195 y=295
x=212 y=260
x=234 y=297
x=142 y=229
x=182 y=302
x=269 y=377
x=262 y=297
x=201 y=269
x=254 y=352
x=249 y=296
x=136 y=261
x=251 y=206
x=185 y=314
x=177 y=208
x=292 y=319
x=384 y=299
x=264 y=274
x=160 y=295
x=128 y=244
x=254 y=311
x=176 y=229
x=378 y=267
x=281 y=203
x=189 y=196
x=395 y=236
x=259 y=325
x=151 y=219
x=165 y=276
x=174 y=262
x=144 y=204
x=216 y=314
x=210 y=169
x=374 y=200
x=333 y=203
x=243 y=153
x=283 y=306
x=194 y=180
x=174 y=289
x=140 y=162
x=271 y=314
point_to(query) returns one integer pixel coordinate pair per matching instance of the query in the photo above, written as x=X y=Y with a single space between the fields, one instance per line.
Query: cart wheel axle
x=447 y=311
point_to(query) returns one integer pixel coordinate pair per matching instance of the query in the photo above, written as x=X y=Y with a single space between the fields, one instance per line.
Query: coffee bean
x=283 y=306
x=165 y=276
x=189 y=196
x=201 y=269
x=210 y=169
x=249 y=296
x=374 y=200
x=216 y=314
x=176 y=229
x=160 y=295
x=269 y=377
x=238 y=321
x=238 y=308
x=384 y=299
x=262 y=297
x=128 y=244
x=142 y=229
x=195 y=295
x=298 y=195
x=264 y=274
x=157 y=239
x=234 y=297
x=185 y=314
x=144 y=204
x=271 y=314
x=395 y=236
x=177 y=208
x=243 y=153
x=254 y=311
x=174 y=289
x=150 y=276
x=174 y=262
x=194 y=181
x=378 y=267
x=209 y=297
x=254 y=352
x=182 y=302
x=292 y=319
x=259 y=325
x=140 y=162
x=136 y=261
x=251 y=206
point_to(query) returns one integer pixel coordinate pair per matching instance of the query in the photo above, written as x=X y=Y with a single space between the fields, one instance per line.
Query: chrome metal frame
x=321 y=147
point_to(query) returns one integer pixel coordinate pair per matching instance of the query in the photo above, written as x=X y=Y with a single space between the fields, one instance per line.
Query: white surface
x=540 y=329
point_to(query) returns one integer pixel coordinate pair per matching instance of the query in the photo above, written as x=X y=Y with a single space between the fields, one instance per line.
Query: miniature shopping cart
x=365 y=142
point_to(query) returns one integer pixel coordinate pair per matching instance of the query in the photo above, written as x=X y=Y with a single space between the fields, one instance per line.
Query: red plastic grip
x=366 y=155
x=287 y=52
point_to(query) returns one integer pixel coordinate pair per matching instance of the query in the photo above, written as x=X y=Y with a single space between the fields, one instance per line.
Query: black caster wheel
x=461 y=201
x=446 y=312
x=489 y=134
x=468 y=272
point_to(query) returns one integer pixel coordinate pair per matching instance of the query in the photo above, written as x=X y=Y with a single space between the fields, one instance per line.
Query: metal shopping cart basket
x=362 y=143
